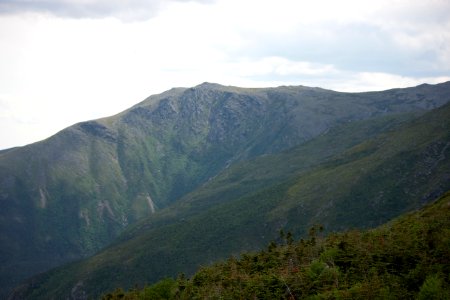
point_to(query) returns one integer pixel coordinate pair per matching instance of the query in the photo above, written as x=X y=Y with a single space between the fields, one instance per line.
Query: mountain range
x=193 y=175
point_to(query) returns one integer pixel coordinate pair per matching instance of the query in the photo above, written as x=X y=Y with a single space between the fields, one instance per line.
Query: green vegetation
x=363 y=184
x=405 y=259
x=194 y=175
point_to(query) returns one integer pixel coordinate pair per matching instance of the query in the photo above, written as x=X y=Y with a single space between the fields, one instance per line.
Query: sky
x=67 y=61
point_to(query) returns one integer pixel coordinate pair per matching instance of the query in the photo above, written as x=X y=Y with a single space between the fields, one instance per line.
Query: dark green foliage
x=434 y=288
x=405 y=259
x=164 y=289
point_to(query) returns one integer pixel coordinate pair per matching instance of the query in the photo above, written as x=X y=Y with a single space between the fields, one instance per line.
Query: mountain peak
x=209 y=85
x=96 y=177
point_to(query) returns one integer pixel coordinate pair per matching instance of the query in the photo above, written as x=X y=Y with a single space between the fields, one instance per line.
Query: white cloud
x=373 y=81
x=381 y=36
x=130 y=10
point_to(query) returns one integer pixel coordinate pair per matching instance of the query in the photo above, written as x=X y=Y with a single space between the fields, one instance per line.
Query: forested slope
x=407 y=258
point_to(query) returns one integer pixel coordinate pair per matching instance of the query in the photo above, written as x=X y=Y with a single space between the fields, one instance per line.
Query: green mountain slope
x=72 y=194
x=405 y=259
x=400 y=165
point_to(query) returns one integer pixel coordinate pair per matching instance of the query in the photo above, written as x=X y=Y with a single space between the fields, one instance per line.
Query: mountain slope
x=72 y=194
x=401 y=166
x=406 y=258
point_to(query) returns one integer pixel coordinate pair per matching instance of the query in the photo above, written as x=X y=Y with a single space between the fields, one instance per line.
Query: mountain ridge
x=70 y=195
x=365 y=184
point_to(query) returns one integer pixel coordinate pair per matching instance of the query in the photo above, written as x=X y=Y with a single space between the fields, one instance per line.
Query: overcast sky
x=66 y=61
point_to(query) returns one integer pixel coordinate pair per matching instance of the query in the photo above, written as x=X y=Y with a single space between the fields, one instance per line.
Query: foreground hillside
x=360 y=174
x=405 y=259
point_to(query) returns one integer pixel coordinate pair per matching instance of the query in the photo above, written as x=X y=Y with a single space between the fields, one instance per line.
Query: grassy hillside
x=68 y=196
x=366 y=182
x=404 y=259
